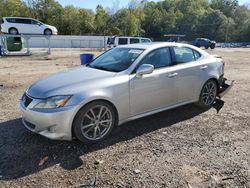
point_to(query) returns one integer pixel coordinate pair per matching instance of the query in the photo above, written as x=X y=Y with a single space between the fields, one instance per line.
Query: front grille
x=27 y=100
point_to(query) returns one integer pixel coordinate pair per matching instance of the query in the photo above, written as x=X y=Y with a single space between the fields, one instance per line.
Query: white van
x=116 y=41
x=21 y=25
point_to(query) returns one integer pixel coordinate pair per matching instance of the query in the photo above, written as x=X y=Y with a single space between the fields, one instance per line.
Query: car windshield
x=116 y=59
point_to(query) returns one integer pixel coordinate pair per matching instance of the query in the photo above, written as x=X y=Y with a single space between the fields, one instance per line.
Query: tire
x=212 y=46
x=13 y=31
x=206 y=47
x=47 y=32
x=89 y=127
x=208 y=94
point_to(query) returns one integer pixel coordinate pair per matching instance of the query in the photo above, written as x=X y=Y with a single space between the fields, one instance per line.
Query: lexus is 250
x=122 y=84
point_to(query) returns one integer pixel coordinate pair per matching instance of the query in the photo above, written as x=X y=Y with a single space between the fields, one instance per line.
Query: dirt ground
x=184 y=147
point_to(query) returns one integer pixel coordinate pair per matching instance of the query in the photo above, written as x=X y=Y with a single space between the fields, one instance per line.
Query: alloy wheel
x=209 y=93
x=96 y=122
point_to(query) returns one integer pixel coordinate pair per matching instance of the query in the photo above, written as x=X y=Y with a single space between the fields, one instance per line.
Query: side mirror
x=144 y=69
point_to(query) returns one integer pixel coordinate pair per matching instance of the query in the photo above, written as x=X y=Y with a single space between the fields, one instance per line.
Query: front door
x=156 y=90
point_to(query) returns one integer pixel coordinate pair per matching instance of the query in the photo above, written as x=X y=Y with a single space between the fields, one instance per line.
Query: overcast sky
x=91 y=4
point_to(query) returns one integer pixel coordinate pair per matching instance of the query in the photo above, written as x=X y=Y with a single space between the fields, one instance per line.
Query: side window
x=122 y=41
x=134 y=40
x=183 y=55
x=34 y=22
x=23 y=21
x=158 y=58
x=145 y=40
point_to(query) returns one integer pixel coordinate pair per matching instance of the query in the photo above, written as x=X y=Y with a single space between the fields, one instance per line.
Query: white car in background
x=123 y=40
x=21 y=25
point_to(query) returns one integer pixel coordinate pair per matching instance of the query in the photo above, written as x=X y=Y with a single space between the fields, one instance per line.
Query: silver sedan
x=122 y=84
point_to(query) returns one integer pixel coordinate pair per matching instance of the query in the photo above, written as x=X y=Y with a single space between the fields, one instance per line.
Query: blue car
x=203 y=42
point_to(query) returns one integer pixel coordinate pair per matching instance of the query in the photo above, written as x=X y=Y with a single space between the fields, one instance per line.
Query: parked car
x=203 y=42
x=117 y=41
x=122 y=84
x=20 y=25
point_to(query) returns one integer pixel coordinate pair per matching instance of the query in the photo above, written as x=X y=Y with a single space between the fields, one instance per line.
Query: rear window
x=197 y=55
x=134 y=40
x=11 y=20
x=122 y=41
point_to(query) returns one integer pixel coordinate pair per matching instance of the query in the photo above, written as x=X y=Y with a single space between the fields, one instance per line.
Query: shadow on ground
x=21 y=150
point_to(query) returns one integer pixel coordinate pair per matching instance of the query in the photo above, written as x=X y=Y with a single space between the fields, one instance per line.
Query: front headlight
x=53 y=102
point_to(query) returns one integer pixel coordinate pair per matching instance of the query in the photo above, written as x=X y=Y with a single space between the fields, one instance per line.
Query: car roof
x=155 y=45
x=130 y=37
x=20 y=17
x=150 y=45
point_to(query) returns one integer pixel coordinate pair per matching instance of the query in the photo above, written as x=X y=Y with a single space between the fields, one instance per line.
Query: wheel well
x=103 y=100
x=12 y=28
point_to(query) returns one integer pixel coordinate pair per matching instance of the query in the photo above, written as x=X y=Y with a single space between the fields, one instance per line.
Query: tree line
x=220 y=20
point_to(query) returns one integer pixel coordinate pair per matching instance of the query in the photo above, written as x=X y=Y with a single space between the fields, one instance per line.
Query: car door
x=189 y=69
x=156 y=90
x=23 y=25
x=36 y=27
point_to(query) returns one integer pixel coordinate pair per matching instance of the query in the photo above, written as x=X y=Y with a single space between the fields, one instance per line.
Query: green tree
x=101 y=19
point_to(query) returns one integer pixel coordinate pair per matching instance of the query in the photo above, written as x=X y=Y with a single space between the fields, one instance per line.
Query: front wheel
x=47 y=32
x=208 y=94
x=94 y=122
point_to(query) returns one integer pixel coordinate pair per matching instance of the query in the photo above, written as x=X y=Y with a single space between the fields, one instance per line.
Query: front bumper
x=225 y=87
x=52 y=123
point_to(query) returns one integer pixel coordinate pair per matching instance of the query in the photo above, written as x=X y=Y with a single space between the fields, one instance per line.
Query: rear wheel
x=94 y=122
x=208 y=94
x=13 y=31
x=206 y=47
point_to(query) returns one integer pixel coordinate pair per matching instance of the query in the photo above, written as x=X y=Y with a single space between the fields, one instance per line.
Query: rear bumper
x=225 y=86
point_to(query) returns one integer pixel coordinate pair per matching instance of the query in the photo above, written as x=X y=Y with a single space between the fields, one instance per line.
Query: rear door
x=189 y=70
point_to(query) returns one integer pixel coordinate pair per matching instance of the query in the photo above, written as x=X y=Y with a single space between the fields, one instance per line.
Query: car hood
x=66 y=82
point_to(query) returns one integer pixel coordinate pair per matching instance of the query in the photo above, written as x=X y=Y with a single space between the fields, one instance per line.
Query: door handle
x=171 y=75
x=204 y=67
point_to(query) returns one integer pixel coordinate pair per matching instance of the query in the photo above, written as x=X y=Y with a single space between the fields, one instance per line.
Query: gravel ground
x=184 y=147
